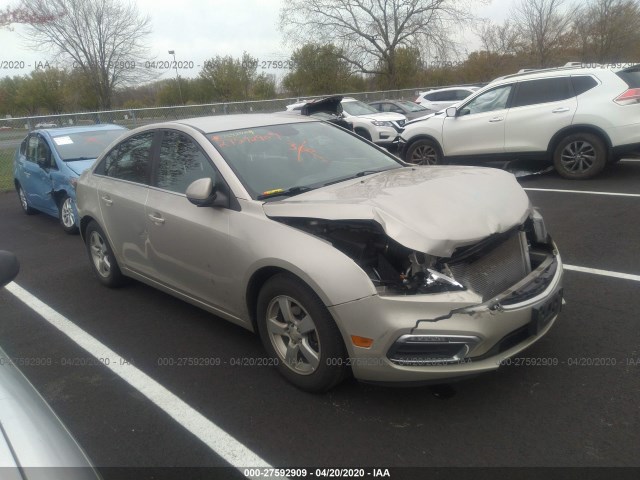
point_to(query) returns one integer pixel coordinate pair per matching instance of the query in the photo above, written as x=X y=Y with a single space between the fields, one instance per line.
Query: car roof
x=462 y=87
x=56 y=132
x=219 y=123
x=559 y=71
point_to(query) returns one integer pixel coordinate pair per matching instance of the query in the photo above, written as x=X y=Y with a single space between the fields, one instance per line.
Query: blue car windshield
x=271 y=160
x=84 y=145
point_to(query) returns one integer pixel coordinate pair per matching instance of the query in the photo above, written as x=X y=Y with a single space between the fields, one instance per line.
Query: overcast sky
x=200 y=29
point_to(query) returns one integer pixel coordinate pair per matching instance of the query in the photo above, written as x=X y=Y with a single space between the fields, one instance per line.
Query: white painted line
x=613 y=194
x=223 y=444
x=606 y=273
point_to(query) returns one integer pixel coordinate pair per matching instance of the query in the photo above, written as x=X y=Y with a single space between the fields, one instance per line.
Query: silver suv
x=580 y=118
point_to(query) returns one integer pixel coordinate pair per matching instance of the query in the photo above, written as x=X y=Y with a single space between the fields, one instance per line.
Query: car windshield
x=413 y=107
x=358 y=108
x=271 y=160
x=84 y=145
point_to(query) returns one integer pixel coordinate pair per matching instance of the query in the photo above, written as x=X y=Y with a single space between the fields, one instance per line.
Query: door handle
x=27 y=174
x=155 y=219
x=496 y=119
x=107 y=200
x=560 y=110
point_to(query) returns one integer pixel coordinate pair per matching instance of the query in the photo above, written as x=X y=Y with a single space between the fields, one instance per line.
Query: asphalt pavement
x=578 y=408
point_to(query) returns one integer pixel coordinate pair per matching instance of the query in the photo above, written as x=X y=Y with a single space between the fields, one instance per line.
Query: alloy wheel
x=68 y=217
x=293 y=335
x=100 y=254
x=578 y=156
x=424 y=155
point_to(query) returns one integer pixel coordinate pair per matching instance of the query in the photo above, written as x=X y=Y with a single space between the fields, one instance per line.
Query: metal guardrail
x=13 y=130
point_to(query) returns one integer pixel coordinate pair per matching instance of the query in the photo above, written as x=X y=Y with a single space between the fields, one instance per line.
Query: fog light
x=416 y=350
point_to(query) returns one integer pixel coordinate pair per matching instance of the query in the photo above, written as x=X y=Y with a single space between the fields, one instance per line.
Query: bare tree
x=370 y=32
x=105 y=39
x=505 y=39
x=606 y=30
x=546 y=23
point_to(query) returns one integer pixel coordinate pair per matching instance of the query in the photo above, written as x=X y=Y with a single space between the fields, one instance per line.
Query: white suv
x=436 y=100
x=581 y=118
x=381 y=128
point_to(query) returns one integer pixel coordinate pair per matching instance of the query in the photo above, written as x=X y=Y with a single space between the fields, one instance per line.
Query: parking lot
x=142 y=379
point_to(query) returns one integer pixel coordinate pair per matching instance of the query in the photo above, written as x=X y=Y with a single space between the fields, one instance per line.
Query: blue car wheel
x=67 y=215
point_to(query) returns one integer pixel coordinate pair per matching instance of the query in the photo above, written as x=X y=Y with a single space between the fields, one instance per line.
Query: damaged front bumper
x=436 y=337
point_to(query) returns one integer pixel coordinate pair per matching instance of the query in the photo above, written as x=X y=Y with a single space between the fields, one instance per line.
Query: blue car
x=48 y=163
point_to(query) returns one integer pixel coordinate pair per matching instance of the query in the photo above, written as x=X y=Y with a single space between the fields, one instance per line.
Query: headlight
x=539 y=228
x=382 y=124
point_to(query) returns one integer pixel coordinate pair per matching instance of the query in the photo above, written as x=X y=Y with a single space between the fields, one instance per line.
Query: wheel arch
x=59 y=194
x=361 y=128
x=579 y=128
x=258 y=280
x=84 y=223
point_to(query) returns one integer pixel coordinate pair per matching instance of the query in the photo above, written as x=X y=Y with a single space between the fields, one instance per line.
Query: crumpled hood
x=428 y=209
x=79 y=166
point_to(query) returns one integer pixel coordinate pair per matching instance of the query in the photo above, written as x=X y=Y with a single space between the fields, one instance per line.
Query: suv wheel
x=580 y=156
x=300 y=335
x=424 y=152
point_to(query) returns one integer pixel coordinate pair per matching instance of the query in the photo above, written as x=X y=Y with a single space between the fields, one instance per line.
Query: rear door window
x=545 y=90
x=582 y=83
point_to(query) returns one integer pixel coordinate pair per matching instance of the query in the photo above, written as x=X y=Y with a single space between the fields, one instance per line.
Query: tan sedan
x=344 y=259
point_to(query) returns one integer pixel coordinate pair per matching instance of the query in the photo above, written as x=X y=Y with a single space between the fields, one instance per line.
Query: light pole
x=175 y=64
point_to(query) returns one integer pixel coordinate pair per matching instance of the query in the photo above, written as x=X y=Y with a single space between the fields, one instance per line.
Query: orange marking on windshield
x=232 y=140
x=304 y=149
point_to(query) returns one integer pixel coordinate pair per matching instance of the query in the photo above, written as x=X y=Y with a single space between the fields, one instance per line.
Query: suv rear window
x=582 y=83
x=544 y=90
x=631 y=76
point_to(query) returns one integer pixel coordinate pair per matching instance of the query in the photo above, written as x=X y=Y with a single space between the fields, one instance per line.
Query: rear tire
x=24 y=203
x=299 y=333
x=580 y=156
x=103 y=261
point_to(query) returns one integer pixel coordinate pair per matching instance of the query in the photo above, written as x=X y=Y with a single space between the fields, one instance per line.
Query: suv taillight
x=629 y=97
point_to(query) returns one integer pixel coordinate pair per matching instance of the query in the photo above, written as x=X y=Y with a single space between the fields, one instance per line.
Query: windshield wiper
x=289 y=192
x=78 y=158
x=355 y=175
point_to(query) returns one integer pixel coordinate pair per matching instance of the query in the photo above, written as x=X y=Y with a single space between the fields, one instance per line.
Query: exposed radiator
x=497 y=269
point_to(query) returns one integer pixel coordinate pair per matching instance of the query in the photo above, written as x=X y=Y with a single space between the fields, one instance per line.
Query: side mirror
x=451 y=112
x=201 y=192
x=9 y=267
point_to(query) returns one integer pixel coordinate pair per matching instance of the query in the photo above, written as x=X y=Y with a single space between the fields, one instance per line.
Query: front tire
x=67 y=216
x=103 y=261
x=299 y=333
x=424 y=152
x=580 y=156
